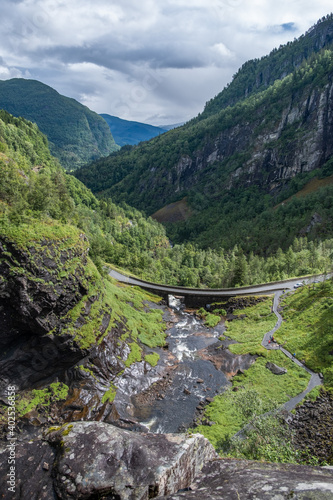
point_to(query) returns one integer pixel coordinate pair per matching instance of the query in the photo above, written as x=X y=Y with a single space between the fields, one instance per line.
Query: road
x=213 y=292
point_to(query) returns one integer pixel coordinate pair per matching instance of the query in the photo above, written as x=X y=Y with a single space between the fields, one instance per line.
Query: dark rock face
x=34 y=296
x=268 y=165
x=313 y=426
x=39 y=285
x=241 y=479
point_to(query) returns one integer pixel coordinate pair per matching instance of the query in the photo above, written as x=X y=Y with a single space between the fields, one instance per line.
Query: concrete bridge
x=197 y=297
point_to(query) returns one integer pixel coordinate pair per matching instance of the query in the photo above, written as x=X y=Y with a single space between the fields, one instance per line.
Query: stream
x=192 y=370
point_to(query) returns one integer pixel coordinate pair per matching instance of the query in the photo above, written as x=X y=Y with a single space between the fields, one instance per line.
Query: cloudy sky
x=147 y=60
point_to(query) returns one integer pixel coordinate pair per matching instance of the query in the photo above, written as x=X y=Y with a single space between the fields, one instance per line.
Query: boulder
x=277 y=370
x=96 y=458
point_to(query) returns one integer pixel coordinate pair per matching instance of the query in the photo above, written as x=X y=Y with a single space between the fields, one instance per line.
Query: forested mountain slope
x=76 y=134
x=239 y=162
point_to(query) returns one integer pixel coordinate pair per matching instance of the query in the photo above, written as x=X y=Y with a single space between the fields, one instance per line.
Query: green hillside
x=76 y=134
x=258 y=74
x=236 y=164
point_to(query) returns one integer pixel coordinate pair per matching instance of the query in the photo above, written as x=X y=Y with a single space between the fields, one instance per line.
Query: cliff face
x=56 y=323
x=271 y=125
x=300 y=140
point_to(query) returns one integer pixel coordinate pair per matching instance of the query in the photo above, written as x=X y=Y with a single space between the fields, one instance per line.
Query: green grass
x=250 y=330
x=273 y=389
x=307 y=329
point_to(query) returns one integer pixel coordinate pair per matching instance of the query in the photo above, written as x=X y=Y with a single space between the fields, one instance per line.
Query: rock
x=200 y=381
x=241 y=479
x=187 y=392
x=94 y=458
x=277 y=370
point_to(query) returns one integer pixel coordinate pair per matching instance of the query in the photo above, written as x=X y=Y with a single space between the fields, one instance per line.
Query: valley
x=167 y=308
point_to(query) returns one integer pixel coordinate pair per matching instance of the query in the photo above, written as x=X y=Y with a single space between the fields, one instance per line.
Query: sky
x=156 y=62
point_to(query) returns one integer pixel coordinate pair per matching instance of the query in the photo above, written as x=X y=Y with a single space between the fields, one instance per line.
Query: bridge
x=195 y=297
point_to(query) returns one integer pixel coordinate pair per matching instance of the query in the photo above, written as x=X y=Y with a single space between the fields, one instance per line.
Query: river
x=194 y=368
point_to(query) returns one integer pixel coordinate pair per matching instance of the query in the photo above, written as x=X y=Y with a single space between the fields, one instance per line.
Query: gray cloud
x=148 y=61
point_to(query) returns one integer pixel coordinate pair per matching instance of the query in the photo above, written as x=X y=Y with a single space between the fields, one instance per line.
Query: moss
x=152 y=358
x=110 y=394
x=66 y=430
x=53 y=429
x=41 y=398
x=134 y=355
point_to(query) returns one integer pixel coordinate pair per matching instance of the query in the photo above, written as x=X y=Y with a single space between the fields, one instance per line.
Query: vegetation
x=76 y=134
x=44 y=211
x=308 y=327
x=34 y=188
x=252 y=404
x=152 y=358
x=40 y=398
x=225 y=214
x=258 y=384
x=265 y=436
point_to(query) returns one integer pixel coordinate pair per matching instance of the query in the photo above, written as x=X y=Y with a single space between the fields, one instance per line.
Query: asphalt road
x=223 y=292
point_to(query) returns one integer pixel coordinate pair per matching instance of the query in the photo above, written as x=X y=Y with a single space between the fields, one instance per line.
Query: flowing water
x=165 y=398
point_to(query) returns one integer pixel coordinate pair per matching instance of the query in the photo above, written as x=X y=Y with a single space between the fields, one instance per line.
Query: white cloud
x=145 y=60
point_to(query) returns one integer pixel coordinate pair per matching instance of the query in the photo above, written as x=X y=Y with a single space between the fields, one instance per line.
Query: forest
x=33 y=186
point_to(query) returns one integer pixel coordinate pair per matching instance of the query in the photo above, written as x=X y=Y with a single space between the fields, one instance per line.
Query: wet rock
x=277 y=370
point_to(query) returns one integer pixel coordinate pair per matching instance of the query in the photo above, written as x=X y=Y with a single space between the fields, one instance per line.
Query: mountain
x=252 y=148
x=76 y=134
x=129 y=132
x=77 y=348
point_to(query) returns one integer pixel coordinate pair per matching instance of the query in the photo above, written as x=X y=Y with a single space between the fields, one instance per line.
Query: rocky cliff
x=299 y=140
x=266 y=142
x=60 y=323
